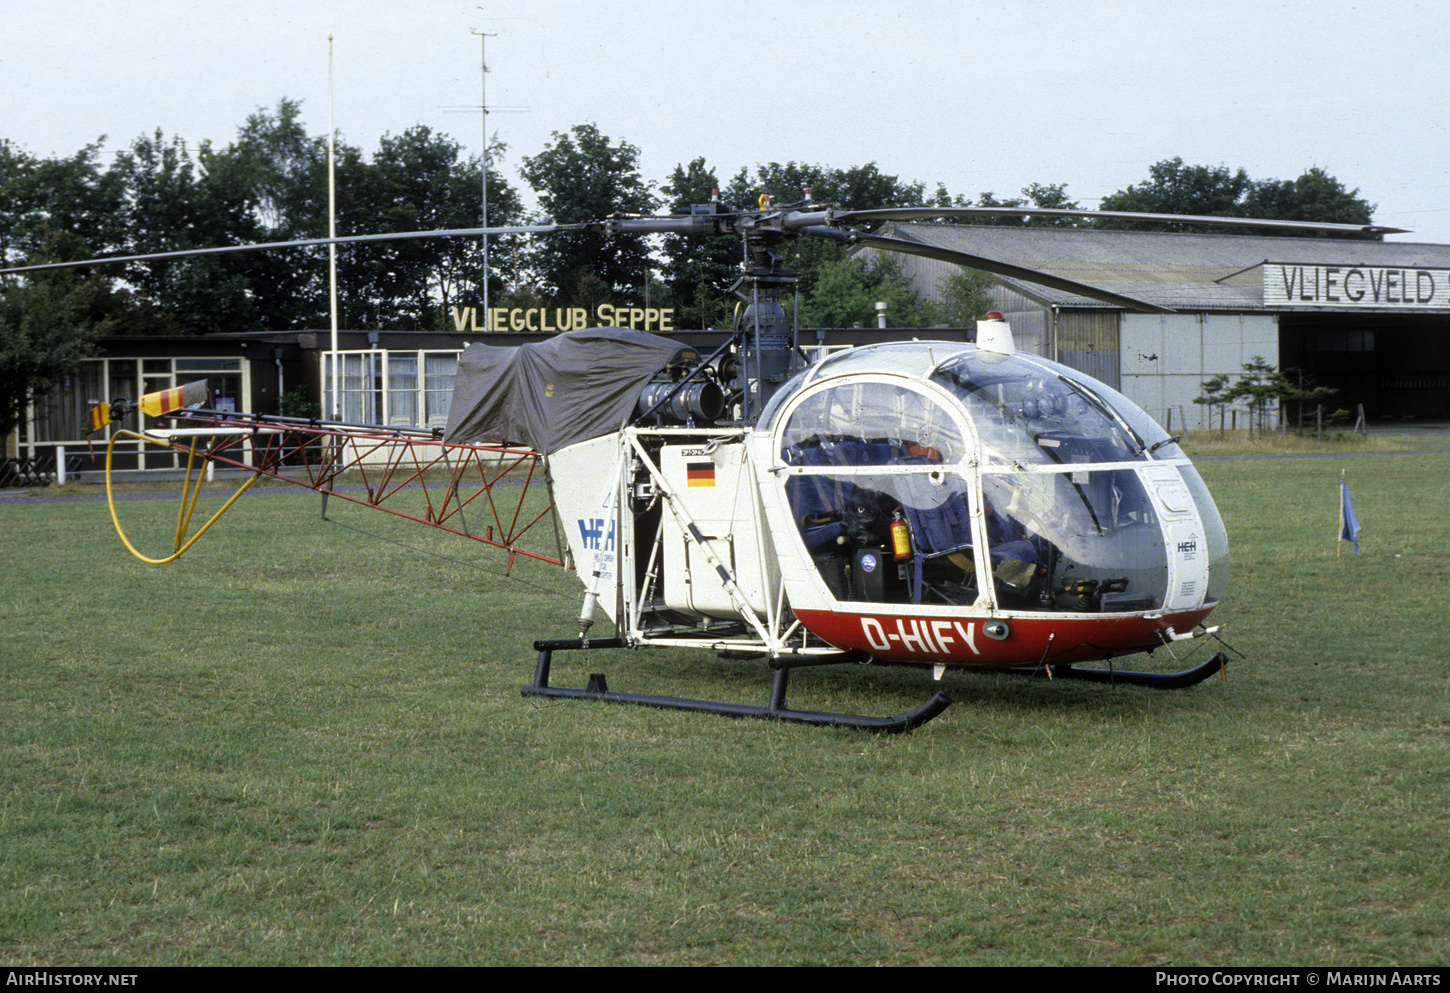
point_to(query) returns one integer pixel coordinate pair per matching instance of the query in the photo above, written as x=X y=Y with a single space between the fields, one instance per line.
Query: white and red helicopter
x=926 y=503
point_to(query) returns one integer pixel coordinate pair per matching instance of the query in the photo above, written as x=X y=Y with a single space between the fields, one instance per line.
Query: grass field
x=305 y=745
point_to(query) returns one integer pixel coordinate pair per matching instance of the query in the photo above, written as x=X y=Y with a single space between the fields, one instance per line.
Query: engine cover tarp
x=547 y=395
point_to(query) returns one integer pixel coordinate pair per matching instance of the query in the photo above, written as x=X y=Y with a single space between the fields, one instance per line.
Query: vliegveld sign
x=1351 y=287
x=548 y=319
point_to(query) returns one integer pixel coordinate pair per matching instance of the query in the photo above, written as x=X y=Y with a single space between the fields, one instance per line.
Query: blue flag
x=1348 y=523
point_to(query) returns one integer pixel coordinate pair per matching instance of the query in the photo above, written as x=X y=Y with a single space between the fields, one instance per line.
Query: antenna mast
x=483 y=37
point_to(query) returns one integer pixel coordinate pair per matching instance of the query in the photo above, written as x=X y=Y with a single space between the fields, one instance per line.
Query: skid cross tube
x=776 y=710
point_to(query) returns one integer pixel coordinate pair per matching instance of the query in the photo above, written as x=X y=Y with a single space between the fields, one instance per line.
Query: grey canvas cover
x=555 y=393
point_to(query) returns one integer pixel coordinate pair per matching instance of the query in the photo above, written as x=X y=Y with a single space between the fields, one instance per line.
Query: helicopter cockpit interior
x=898 y=481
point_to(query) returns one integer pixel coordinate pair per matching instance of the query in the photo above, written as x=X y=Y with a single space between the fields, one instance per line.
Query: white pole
x=332 y=248
x=483 y=37
x=1339 y=538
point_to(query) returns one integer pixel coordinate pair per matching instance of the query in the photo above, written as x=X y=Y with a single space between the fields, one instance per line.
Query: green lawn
x=304 y=745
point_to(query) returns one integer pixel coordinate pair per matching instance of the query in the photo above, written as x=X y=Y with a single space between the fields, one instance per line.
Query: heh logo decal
x=594 y=534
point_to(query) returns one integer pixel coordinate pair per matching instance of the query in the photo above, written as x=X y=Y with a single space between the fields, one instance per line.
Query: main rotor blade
x=936 y=213
x=187 y=253
x=993 y=266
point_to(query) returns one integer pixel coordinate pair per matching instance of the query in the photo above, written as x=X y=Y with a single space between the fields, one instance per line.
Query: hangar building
x=1369 y=318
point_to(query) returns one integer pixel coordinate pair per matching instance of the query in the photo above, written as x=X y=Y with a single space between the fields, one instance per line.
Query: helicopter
x=950 y=506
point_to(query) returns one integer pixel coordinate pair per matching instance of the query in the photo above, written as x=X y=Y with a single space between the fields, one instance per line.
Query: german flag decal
x=700 y=473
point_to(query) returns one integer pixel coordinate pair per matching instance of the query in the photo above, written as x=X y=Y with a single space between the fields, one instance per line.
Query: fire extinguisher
x=900 y=537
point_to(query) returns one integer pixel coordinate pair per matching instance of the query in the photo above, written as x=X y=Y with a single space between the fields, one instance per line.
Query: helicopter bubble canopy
x=901 y=461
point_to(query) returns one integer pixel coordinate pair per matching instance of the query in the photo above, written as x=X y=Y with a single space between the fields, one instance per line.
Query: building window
x=396 y=389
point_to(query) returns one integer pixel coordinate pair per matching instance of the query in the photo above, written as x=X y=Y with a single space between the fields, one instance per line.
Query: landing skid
x=1158 y=680
x=776 y=710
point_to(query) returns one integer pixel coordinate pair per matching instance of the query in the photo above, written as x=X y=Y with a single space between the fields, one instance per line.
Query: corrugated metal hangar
x=1369 y=318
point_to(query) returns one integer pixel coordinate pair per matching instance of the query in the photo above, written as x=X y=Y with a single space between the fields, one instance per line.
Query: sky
x=977 y=96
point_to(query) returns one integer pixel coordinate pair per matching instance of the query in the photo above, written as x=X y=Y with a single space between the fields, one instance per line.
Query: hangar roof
x=1178 y=271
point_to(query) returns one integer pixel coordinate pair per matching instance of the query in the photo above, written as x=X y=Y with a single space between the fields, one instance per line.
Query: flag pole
x=1339 y=542
x=332 y=248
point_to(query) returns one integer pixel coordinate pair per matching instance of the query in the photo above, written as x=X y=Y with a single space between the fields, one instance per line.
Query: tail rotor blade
x=165 y=401
x=151 y=404
x=100 y=416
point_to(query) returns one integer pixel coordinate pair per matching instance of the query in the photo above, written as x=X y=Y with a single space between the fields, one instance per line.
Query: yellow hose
x=190 y=490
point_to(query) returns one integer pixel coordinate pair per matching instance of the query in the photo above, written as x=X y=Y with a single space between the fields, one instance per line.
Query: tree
x=1176 y=188
x=698 y=271
x=781 y=183
x=1215 y=394
x=416 y=181
x=867 y=188
x=584 y=176
x=1262 y=388
x=60 y=209
x=279 y=165
x=56 y=209
x=168 y=208
x=1050 y=197
x=966 y=295
x=1053 y=197
x=281 y=173
x=847 y=291
x=862 y=187
x=46 y=328
x=1314 y=196
x=421 y=181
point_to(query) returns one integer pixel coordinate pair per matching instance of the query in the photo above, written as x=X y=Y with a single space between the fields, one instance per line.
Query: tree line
x=270 y=184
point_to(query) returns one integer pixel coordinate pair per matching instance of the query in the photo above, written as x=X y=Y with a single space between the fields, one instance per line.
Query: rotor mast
x=765 y=335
